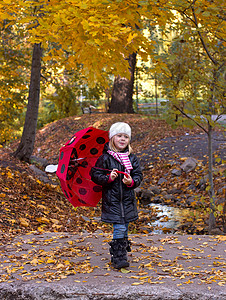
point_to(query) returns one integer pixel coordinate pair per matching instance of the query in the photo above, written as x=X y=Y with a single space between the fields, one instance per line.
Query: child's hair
x=113 y=147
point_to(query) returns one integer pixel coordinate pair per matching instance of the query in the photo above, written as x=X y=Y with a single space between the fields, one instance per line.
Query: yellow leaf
x=10 y=175
x=24 y=222
x=41 y=229
x=131 y=37
x=56 y=226
x=221 y=283
x=199 y=228
x=54 y=221
x=50 y=261
x=83 y=5
x=41 y=206
x=13 y=221
x=208 y=188
x=125 y=271
x=43 y=220
x=189 y=281
x=34 y=262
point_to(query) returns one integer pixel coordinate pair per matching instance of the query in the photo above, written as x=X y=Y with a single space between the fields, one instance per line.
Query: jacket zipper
x=121 y=194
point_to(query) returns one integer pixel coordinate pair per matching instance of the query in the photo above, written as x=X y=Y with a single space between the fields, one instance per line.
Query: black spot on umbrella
x=82 y=147
x=82 y=191
x=84 y=164
x=71 y=172
x=93 y=151
x=90 y=130
x=86 y=136
x=65 y=192
x=100 y=140
x=81 y=201
x=74 y=154
x=61 y=155
x=69 y=187
x=62 y=169
x=97 y=188
x=78 y=180
x=70 y=195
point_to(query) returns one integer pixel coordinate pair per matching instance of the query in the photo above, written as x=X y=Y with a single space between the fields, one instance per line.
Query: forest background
x=60 y=57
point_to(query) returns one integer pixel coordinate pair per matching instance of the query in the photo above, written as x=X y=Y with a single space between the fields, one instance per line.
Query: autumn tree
x=194 y=77
x=13 y=79
x=122 y=93
x=96 y=34
x=26 y=146
x=69 y=92
x=154 y=13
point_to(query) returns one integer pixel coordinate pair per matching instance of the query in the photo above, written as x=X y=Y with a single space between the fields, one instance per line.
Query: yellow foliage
x=97 y=34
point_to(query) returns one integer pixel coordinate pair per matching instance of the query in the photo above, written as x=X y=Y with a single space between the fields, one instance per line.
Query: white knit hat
x=120 y=127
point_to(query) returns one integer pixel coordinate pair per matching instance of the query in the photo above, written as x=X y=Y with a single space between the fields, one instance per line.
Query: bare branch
x=220 y=115
x=223 y=63
x=201 y=38
x=195 y=22
x=187 y=116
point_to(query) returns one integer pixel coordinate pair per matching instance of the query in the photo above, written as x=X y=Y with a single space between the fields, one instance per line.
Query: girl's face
x=121 y=141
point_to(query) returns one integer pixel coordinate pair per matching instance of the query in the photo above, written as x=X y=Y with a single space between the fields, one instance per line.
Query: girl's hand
x=127 y=180
x=113 y=174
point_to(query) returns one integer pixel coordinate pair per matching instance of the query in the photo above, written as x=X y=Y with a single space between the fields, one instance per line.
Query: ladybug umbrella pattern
x=76 y=159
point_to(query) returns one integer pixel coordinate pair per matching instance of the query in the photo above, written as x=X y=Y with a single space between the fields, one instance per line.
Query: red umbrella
x=76 y=159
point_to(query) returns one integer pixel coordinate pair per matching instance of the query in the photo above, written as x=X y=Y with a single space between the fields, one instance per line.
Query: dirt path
x=186 y=146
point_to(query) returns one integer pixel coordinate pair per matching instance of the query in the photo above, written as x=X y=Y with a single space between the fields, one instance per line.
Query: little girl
x=118 y=199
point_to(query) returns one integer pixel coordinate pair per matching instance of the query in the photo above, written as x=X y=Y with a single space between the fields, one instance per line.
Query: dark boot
x=118 y=253
x=128 y=245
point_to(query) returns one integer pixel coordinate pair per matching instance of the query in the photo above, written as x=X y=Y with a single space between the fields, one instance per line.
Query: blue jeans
x=120 y=231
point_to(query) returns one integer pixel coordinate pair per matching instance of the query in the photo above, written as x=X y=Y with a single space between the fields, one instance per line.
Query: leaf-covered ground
x=178 y=262
x=27 y=204
x=145 y=131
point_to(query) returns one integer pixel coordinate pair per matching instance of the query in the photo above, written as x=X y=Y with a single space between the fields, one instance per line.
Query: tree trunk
x=156 y=95
x=122 y=94
x=26 y=146
x=212 y=219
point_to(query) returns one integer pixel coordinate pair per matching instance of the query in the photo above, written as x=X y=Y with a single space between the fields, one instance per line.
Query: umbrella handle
x=124 y=173
x=119 y=172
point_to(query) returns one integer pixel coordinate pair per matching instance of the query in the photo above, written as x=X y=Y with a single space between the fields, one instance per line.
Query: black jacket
x=118 y=200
